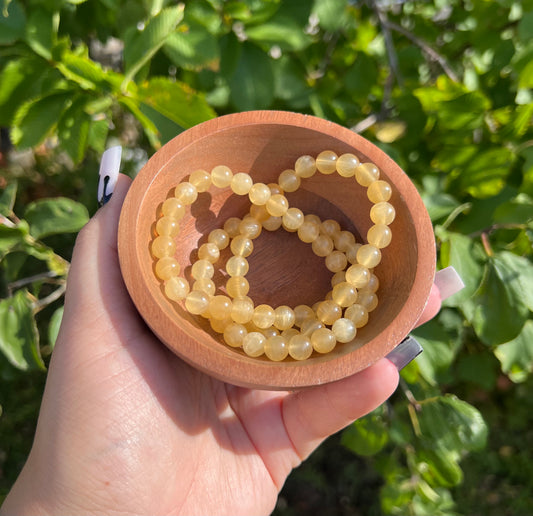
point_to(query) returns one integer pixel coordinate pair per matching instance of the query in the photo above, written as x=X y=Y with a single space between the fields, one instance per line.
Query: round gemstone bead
x=289 y=333
x=292 y=219
x=322 y=245
x=167 y=226
x=336 y=261
x=300 y=347
x=358 y=314
x=186 y=193
x=221 y=176
x=351 y=253
x=368 y=299
x=373 y=283
x=242 y=310
x=275 y=189
x=276 y=348
x=219 y=325
x=315 y=219
x=270 y=332
x=344 y=330
x=305 y=166
x=323 y=340
x=219 y=237
x=220 y=307
x=346 y=165
x=163 y=246
x=253 y=344
x=250 y=227
x=237 y=266
x=173 y=208
x=166 y=268
x=272 y=223
x=343 y=240
x=237 y=286
x=369 y=256
x=201 y=180
x=263 y=316
x=209 y=252
x=328 y=312
x=259 y=213
x=202 y=269
x=289 y=181
x=176 y=288
x=231 y=226
x=234 y=335
x=308 y=231
x=326 y=162
x=284 y=317
x=357 y=275
x=302 y=313
x=382 y=213
x=241 y=183
x=277 y=205
x=338 y=277
x=344 y=294
x=196 y=302
x=379 y=191
x=242 y=246
x=330 y=227
x=379 y=236
x=311 y=325
x=259 y=194
x=205 y=285
x=366 y=174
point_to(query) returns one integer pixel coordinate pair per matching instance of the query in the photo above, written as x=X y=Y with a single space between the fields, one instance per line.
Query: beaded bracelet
x=270 y=209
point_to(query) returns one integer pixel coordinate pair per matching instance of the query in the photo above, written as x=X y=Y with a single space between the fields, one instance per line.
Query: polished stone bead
x=219 y=325
x=259 y=194
x=358 y=314
x=270 y=332
x=346 y=165
x=302 y=313
x=163 y=246
x=338 y=277
x=315 y=219
x=328 y=312
x=196 y=302
x=344 y=294
x=242 y=310
x=289 y=333
x=292 y=219
x=237 y=266
x=167 y=226
x=250 y=227
x=357 y=275
x=237 y=286
x=343 y=240
x=276 y=348
x=219 y=237
x=368 y=299
x=253 y=344
x=275 y=189
x=231 y=226
x=209 y=252
x=330 y=227
x=344 y=330
x=300 y=347
x=322 y=245
x=173 y=208
x=323 y=340
x=379 y=191
x=220 y=307
x=263 y=316
x=336 y=261
x=289 y=180
x=205 y=285
x=366 y=174
x=259 y=213
x=241 y=183
x=221 y=176
x=284 y=317
x=176 y=288
x=305 y=166
x=166 y=268
x=242 y=246
x=308 y=231
x=369 y=256
x=326 y=162
x=186 y=193
x=351 y=252
x=277 y=205
x=272 y=223
x=201 y=180
x=382 y=213
x=234 y=335
x=379 y=236
x=310 y=325
x=373 y=283
x=202 y=269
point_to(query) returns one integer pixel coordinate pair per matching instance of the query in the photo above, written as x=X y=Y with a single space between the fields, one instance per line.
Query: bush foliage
x=443 y=86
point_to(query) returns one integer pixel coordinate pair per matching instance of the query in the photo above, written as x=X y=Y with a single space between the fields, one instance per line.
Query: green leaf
x=12 y=23
x=516 y=356
x=439 y=467
x=525 y=27
x=41 y=32
x=362 y=76
x=7 y=199
x=11 y=237
x=290 y=83
x=368 y=435
x=97 y=137
x=142 y=45
x=252 y=84
x=86 y=73
x=55 y=216
x=53 y=327
x=331 y=14
x=499 y=307
x=479 y=368
x=517 y=211
x=35 y=119
x=73 y=130
x=19 y=338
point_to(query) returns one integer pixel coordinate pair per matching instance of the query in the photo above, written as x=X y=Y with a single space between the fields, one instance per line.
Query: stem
x=30 y=279
x=486 y=244
x=50 y=298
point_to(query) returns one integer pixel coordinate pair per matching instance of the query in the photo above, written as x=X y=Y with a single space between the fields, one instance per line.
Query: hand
x=127 y=427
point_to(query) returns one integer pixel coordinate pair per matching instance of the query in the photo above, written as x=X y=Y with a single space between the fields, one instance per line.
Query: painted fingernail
x=406 y=351
x=448 y=282
x=108 y=174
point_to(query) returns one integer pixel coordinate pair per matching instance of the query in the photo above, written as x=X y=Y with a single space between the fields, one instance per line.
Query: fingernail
x=448 y=282
x=108 y=174
x=406 y=351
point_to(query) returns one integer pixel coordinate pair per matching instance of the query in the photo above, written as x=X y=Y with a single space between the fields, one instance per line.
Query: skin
x=126 y=427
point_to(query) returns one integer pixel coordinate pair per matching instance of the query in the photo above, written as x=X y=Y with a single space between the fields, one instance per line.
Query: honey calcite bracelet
x=263 y=329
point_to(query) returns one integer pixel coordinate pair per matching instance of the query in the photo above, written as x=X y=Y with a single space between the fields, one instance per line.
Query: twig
x=30 y=279
x=50 y=298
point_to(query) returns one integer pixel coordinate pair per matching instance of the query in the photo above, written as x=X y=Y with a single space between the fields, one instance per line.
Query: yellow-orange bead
x=167 y=267
x=270 y=332
x=237 y=286
x=330 y=227
x=173 y=208
x=221 y=176
x=259 y=213
x=201 y=180
x=328 y=312
x=366 y=174
x=382 y=213
x=344 y=294
x=373 y=283
x=351 y=253
x=300 y=347
x=259 y=194
x=196 y=302
x=219 y=237
x=379 y=236
x=344 y=330
x=315 y=219
x=163 y=246
x=275 y=189
x=263 y=316
x=202 y=269
x=289 y=333
x=368 y=299
x=326 y=162
x=250 y=227
x=358 y=314
x=242 y=310
x=272 y=223
x=167 y=226
x=369 y=256
x=346 y=165
x=322 y=245
x=357 y=275
x=302 y=313
x=186 y=193
x=220 y=307
x=343 y=240
x=234 y=335
x=305 y=166
x=309 y=326
x=276 y=348
x=231 y=226
x=284 y=317
x=242 y=246
x=205 y=285
x=379 y=191
x=237 y=266
x=338 y=277
x=219 y=325
x=323 y=340
x=336 y=261
x=209 y=252
x=241 y=183
x=289 y=181
x=308 y=231
x=292 y=219
x=176 y=288
x=277 y=205
x=253 y=344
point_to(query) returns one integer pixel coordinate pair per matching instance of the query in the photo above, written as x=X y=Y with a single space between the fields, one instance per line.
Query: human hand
x=127 y=427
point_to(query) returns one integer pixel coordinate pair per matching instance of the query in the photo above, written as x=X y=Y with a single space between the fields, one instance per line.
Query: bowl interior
x=283 y=270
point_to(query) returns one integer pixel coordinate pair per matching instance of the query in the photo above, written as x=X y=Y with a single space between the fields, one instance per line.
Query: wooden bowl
x=283 y=270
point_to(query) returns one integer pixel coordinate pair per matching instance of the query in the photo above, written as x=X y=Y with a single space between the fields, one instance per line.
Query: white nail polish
x=448 y=282
x=108 y=175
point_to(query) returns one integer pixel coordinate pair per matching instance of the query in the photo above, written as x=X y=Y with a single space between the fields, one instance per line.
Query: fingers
x=432 y=307
x=312 y=415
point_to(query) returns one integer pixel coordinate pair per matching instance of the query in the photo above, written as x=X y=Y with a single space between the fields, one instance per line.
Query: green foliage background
x=443 y=86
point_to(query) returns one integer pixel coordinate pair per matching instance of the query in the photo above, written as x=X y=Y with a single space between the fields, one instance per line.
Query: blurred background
x=443 y=86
